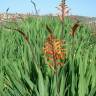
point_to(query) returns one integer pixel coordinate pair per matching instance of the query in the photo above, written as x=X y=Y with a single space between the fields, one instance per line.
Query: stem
x=63 y=15
x=36 y=11
x=54 y=58
x=25 y=38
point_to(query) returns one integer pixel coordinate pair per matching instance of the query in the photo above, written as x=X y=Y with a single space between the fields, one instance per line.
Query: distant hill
x=20 y=15
x=86 y=19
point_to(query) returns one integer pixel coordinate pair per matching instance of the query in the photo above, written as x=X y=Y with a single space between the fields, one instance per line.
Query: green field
x=23 y=67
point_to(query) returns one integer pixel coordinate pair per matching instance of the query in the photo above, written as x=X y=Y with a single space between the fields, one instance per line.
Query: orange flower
x=53 y=50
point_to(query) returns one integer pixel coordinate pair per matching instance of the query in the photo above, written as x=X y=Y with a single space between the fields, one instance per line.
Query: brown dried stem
x=36 y=11
x=26 y=38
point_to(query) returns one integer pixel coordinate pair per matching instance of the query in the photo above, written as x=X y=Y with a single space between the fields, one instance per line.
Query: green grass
x=24 y=71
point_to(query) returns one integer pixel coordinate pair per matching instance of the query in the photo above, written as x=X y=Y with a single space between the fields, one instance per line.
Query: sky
x=78 y=7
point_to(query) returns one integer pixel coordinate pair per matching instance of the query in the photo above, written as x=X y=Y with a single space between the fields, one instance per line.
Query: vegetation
x=24 y=70
x=37 y=60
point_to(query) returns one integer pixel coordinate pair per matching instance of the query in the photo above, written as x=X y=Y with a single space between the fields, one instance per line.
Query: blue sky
x=78 y=7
